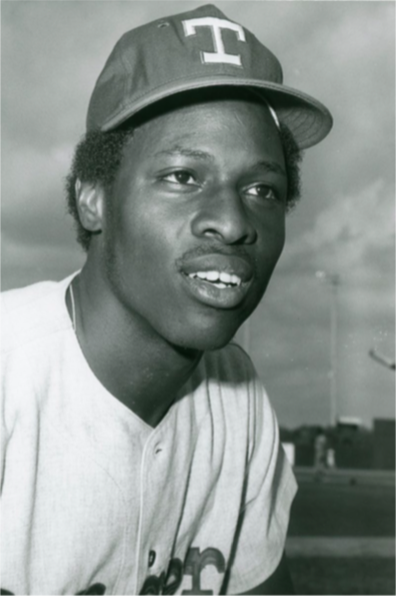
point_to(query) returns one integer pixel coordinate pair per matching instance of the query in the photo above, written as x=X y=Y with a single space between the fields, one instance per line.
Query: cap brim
x=308 y=119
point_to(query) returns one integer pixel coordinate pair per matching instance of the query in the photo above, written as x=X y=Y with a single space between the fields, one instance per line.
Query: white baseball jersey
x=95 y=501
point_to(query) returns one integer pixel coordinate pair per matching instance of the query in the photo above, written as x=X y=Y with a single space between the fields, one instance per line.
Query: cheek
x=272 y=239
x=143 y=246
x=269 y=250
x=281 y=238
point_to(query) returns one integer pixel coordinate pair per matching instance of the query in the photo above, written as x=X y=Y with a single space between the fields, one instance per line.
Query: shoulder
x=12 y=300
x=35 y=322
x=230 y=364
x=31 y=313
x=232 y=380
x=232 y=370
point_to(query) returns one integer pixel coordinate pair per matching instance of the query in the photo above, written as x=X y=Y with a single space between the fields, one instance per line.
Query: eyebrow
x=177 y=150
x=269 y=166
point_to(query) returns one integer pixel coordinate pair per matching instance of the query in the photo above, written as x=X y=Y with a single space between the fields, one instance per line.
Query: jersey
x=95 y=501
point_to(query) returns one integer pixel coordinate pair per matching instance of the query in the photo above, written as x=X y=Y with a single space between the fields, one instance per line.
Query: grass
x=324 y=575
x=343 y=510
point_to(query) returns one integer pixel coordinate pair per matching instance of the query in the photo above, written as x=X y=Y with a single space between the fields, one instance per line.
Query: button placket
x=158 y=448
x=152 y=556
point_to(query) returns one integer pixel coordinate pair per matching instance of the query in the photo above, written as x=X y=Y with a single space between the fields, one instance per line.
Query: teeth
x=219 y=279
x=225 y=277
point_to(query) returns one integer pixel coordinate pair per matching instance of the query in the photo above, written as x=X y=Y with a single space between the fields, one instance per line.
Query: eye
x=262 y=191
x=182 y=177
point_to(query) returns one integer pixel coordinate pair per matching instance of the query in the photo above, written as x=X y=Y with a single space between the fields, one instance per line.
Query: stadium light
x=382 y=359
x=333 y=281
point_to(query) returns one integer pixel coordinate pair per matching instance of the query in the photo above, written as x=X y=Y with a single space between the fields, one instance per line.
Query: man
x=320 y=454
x=141 y=453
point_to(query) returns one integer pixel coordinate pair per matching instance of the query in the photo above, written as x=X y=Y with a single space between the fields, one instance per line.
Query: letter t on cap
x=216 y=25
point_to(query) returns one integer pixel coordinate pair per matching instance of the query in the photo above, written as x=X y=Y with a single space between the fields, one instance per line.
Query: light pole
x=333 y=280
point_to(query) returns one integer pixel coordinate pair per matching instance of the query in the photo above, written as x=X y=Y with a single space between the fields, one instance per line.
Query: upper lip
x=234 y=264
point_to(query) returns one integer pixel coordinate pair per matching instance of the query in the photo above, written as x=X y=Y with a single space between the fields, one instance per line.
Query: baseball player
x=141 y=454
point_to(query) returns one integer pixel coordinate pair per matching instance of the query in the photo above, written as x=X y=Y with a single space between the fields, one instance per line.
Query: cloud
x=350 y=228
x=29 y=172
x=23 y=263
x=33 y=197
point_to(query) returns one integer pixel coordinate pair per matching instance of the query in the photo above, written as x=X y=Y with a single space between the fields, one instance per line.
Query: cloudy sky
x=342 y=53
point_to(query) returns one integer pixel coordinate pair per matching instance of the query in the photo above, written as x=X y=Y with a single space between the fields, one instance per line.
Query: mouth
x=219 y=281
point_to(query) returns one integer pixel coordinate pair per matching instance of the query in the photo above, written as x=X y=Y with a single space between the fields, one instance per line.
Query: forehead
x=239 y=122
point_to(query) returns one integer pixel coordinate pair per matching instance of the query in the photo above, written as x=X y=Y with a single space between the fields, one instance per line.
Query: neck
x=134 y=363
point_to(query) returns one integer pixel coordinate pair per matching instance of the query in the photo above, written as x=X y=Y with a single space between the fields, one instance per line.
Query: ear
x=90 y=199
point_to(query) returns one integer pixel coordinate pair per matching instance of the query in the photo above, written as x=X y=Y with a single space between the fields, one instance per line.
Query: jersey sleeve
x=270 y=487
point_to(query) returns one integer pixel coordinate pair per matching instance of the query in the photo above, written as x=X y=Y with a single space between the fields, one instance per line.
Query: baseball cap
x=198 y=49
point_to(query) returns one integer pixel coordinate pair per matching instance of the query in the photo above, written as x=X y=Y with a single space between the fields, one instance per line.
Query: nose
x=223 y=216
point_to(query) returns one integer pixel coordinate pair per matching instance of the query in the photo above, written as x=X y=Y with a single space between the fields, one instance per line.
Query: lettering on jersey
x=169 y=582
x=97 y=589
x=165 y=583
x=216 y=25
x=194 y=564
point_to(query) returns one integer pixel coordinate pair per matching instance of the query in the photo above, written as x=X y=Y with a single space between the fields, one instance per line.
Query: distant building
x=353 y=444
x=348 y=445
x=384 y=444
x=349 y=423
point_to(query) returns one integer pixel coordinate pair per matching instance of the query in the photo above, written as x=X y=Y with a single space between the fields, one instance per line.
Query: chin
x=206 y=339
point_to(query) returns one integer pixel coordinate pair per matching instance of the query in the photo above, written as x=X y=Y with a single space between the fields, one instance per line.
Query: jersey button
x=151 y=559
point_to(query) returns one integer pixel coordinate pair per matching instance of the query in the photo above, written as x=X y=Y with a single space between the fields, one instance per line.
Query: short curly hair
x=98 y=156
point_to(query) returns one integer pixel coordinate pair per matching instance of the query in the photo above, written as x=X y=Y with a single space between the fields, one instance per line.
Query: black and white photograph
x=198 y=297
